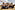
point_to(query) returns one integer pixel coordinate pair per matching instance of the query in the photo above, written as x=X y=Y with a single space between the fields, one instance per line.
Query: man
x=3 y=6
x=11 y=5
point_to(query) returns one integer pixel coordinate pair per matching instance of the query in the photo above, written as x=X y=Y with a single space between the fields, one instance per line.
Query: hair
x=6 y=3
x=11 y=3
x=3 y=2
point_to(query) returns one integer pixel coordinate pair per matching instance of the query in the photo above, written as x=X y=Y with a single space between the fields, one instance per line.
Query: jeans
x=3 y=6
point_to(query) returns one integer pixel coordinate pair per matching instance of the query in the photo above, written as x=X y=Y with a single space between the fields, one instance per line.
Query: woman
x=6 y=6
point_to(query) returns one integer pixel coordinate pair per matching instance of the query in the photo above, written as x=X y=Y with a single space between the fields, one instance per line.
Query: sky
x=9 y=1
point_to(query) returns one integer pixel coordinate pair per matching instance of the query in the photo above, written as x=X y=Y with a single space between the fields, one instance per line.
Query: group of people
x=6 y=5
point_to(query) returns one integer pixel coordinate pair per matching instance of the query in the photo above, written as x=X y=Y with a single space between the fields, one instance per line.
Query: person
x=3 y=6
x=6 y=7
x=11 y=5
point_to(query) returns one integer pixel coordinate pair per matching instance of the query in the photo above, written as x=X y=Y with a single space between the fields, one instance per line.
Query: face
x=6 y=4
